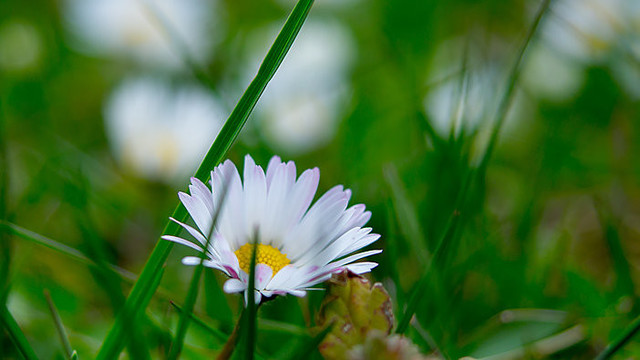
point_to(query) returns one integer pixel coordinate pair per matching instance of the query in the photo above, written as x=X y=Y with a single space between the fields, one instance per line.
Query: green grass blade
x=16 y=334
x=438 y=254
x=406 y=214
x=183 y=323
x=621 y=341
x=113 y=343
x=62 y=333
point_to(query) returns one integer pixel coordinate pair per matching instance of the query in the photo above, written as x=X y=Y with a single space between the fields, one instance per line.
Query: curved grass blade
x=62 y=248
x=16 y=334
x=454 y=220
x=113 y=343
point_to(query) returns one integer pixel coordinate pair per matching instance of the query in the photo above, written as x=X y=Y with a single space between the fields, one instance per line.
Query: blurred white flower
x=584 y=29
x=161 y=132
x=598 y=32
x=142 y=30
x=298 y=244
x=304 y=102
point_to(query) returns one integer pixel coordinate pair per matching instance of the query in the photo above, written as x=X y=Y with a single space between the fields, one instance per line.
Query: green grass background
x=551 y=225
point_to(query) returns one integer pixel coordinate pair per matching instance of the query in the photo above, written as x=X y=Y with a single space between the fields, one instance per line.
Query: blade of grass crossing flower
x=247 y=102
x=252 y=313
x=62 y=333
x=112 y=345
x=16 y=334
x=192 y=293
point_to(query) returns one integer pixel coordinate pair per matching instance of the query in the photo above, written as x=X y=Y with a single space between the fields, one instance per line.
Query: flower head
x=298 y=245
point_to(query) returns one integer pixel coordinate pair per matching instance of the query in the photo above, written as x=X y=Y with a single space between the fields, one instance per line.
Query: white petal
x=263 y=274
x=195 y=233
x=182 y=241
x=199 y=190
x=302 y=194
x=311 y=233
x=255 y=195
x=198 y=212
x=233 y=286
x=274 y=225
x=362 y=267
x=274 y=163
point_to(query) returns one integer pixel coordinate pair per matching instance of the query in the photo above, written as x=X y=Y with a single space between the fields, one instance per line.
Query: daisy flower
x=298 y=245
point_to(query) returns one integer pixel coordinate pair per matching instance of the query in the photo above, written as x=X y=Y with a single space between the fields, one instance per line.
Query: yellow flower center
x=265 y=254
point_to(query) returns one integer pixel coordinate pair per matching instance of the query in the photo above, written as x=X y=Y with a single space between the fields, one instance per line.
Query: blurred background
x=108 y=106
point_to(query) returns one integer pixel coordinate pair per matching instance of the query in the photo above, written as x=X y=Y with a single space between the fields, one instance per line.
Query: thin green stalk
x=621 y=341
x=16 y=334
x=453 y=223
x=438 y=255
x=112 y=345
x=62 y=333
x=514 y=75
